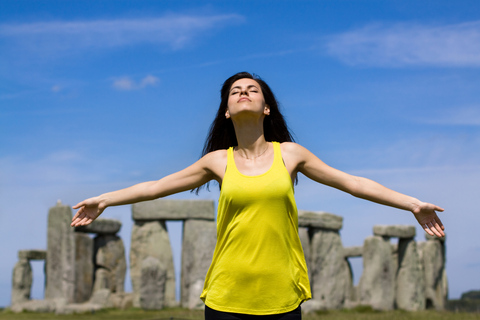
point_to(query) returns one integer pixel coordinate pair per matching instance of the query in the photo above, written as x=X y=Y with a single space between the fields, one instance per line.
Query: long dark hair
x=222 y=133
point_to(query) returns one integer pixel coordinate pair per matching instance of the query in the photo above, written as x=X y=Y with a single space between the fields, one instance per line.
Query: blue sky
x=99 y=95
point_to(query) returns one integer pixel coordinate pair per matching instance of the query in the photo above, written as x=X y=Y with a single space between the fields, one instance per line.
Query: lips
x=243 y=99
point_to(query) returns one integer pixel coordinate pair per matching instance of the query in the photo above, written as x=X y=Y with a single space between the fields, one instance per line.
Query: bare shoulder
x=292 y=149
x=215 y=162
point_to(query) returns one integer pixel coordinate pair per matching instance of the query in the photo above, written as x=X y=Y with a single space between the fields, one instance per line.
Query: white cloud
x=409 y=44
x=174 y=31
x=127 y=84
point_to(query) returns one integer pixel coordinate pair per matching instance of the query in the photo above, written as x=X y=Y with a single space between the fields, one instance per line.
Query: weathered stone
x=22 y=279
x=319 y=220
x=410 y=283
x=351 y=291
x=350 y=252
x=100 y=297
x=51 y=305
x=331 y=278
x=152 y=284
x=400 y=231
x=162 y=209
x=199 y=238
x=150 y=238
x=60 y=261
x=312 y=306
x=120 y=300
x=305 y=240
x=432 y=253
x=376 y=287
x=101 y=226
x=429 y=237
x=83 y=267
x=110 y=256
x=103 y=280
x=32 y=254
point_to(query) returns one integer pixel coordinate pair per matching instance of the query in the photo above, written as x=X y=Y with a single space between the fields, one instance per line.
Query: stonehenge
x=85 y=267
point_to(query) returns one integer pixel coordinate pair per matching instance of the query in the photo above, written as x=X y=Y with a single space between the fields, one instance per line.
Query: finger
x=434 y=230
x=78 y=205
x=427 y=229
x=77 y=214
x=437 y=220
x=439 y=209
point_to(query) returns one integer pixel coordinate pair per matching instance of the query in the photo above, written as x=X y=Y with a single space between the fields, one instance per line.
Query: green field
x=183 y=314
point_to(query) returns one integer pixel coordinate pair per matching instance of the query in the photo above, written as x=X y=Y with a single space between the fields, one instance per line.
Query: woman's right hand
x=88 y=211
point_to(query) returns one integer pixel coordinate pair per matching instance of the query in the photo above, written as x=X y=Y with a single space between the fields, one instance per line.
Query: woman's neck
x=250 y=138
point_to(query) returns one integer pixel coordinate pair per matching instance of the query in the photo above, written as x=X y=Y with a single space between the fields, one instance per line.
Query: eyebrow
x=239 y=87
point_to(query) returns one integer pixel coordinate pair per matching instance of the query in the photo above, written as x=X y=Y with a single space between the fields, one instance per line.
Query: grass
x=361 y=313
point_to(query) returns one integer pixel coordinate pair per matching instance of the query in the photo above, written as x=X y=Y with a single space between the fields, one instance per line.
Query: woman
x=258 y=267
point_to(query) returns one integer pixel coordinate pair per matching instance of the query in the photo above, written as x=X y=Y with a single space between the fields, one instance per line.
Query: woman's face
x=246 y=97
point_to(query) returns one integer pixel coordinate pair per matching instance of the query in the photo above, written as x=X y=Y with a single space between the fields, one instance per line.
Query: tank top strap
x=230 y=159
x=277 y=155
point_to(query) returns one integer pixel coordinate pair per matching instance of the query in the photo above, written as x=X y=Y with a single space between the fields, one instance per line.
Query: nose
x=244 y=92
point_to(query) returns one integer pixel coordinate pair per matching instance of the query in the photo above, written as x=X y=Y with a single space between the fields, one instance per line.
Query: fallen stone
x=410 y=283
x=351 y=252
x=40 y=306
x=22 y=279
x=150 y=239
x=60 y=260
x=101 y=226
x=32 y=254
x=84 y=270
x=331 y=278
x=152 y=284
x=162 y=209
x=319 y=220
x=199 y=238
x=376 y=287
x=400 y=231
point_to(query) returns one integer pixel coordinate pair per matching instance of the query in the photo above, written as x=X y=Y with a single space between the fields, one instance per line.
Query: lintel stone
x=351 y=252
x=319 y=220
x=101 y=226
x=400 y=231
x=162 y=209
x=32 y=254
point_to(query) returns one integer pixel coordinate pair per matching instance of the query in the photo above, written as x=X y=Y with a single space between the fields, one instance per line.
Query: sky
x=99 y=95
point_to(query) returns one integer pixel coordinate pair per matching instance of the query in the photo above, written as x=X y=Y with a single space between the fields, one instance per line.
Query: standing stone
x=199 y=238
x=376 y=287
x=410 y=283
x=331 y=278
x=110 y=256
x=152 y=284
x=60 y=262
x=436 y=288
x=305 y=240
x=103 y=281
x=83 y=267
x=150 y=238
x=22 y=279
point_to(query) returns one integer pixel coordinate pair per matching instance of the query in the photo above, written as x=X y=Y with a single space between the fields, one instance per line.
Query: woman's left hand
x=426 y=215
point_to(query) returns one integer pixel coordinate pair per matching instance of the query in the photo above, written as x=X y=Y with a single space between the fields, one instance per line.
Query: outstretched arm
x=191 y=177
x=315 y=169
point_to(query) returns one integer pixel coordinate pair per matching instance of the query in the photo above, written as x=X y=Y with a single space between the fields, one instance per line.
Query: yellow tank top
x=258 y=266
